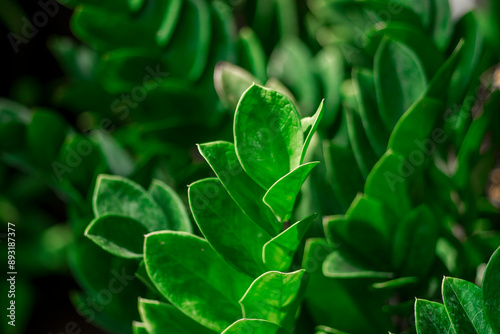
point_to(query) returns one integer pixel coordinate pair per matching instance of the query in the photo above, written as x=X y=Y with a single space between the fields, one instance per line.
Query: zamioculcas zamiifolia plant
x=467 y=308
x=239 y=277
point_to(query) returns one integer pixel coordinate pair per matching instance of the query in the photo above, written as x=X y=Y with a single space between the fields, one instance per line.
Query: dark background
x=34 y=66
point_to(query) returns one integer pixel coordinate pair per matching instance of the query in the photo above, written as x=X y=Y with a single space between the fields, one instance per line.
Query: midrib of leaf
x=463 y=309
x=203 y=278
x=238 y=236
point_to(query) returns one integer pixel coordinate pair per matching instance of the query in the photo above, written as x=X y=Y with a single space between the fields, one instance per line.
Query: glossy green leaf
x=332 y=301
x=230 y=232
x=309 y=126
x=121 y=236
x=170 y=19
x=345 y=180
x=120 y=196
x=139 y=328
x=431 y=318
x=350 y=234
x=160 y=318
x=275 y=297
x=388 y=182
x=399 y=80
x=200 y=269
x=253 y=326
x=221 y=156
x=430 y=56
x=171 y=205
x=491 y=292
x=365 y=208
x=282 y=195
x=267 y=134
x=375 y=129
x=278 y=252
x=418 y=142
x=414 y=242
x=363 y=152
x=231 y=82
x=464 y=303
x=337 y=266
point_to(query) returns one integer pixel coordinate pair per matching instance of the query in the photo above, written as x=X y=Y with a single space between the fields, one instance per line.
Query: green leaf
x=163 y=318
x=311 y=124
x=278 y=252
x=396 y=283
x=45 y=136
x=329 y=66
x=491 y=292
x=375 y=129
x=139 y=328
x=338 y=303
x=230 y=232
x=337 y=266
x=399 y=80
x=280 y=198
x=286 y=12
x=231 y=82
x=431 y=318
x=290 y=62
x=251 y=54
x=414 y=242
x=117 y=158
x=221 y=156
x=388 y=182
x=365 y=208
x=121 y=236
x=412 y=37
x=363 y=153
x=171 y=205
x=104 y=32
x=275 y=297
x=135 y=5
x=464 y=303
x=187 y=52
x=142 y=275
x=442 y=82
x=119 y=196
x=442 y=23
x=170 y=19
x=418 y=142
x=182 y=279
x=253 y=326
x=350 y=234
x=345 y=180
x=267 y=134
x=469 y=60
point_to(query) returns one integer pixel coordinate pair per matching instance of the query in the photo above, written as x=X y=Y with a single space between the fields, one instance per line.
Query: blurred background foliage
x=128 y=87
